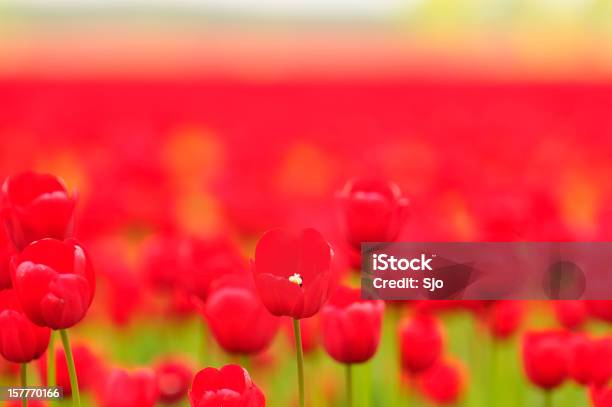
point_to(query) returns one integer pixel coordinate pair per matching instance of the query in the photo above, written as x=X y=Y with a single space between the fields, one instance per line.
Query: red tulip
x=590 y=360
x=351 y=326
x=421 y=341
x=54 y=282
x=292 y=274
x=229 y=386
x=20 y=340
x=601 y=396
x=6 y=251
x=571 y=314
x=443 y=383
x=36 y=206
x=600 y=309
x=130 y=389
x=190 y=264
x=546 y=358
x=373 y=211
x=88 y=366
x=173 y=380
x=504 y=318
x=238 y=320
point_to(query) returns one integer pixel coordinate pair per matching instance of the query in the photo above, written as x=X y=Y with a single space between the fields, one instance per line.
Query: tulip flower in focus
x=54 y=282
x=20 y=340
x=6 y=251
x=546 y=358
x=292 y=273
x=421 y=342
x=351 y=326
x=504 y=318
x=372 y=211
x=36 y=206
x=130 y=388
x=173 y=380
x=229 y=386
x=238 y=320
x=443 y=383
x=88 y=366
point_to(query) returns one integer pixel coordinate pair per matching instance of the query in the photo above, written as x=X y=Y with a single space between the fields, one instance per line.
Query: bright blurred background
x=233 y=116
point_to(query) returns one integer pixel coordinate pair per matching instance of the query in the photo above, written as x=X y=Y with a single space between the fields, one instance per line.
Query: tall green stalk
x=349 y=385
x=74 y=382
x=24 y=382
x=300 y=359
x=51 y=361
x=548 y=398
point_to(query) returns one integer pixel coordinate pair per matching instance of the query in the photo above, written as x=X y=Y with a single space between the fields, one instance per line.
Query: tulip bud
x=351 y=326
x=36 y=206
x=444 y=382
x=231 y=385
x=238 y=320
x=20 y=340
x=130 y=388
x=372 y=211
x=54 y=282
x=570 y=314
x=421 y=342
x=546 y=358
x=505 y=317
x=173 y=380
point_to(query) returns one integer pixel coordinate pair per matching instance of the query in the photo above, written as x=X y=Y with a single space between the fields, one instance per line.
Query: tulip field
x=196 y=242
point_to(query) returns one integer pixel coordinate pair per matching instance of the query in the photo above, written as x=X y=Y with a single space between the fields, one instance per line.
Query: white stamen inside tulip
x=296 y=279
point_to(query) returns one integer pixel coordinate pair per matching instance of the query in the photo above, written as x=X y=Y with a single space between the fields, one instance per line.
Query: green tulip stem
x=548 y=398
x=300 y=359
x=24 y=382
x=349 y=385
x=74 y=382
x=51 y=361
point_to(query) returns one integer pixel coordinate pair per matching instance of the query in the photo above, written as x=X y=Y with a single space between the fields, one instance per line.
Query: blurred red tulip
x=293 y=274
x=173 y=380
x=571 y=314
x=421 y=341
x=229 y=386
x=130 y=389
x=190 y=264
x=443 y=383
x=504 y=318
x=88 y=366
x=546 y=358
x=36 y=206
x=351 y=326
x=590 y=360
x=238 y=320
x=601 y=396
x=600 y=309
x=6 y=251
x=54 y=282
x=20 y=340
x=372 y=211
